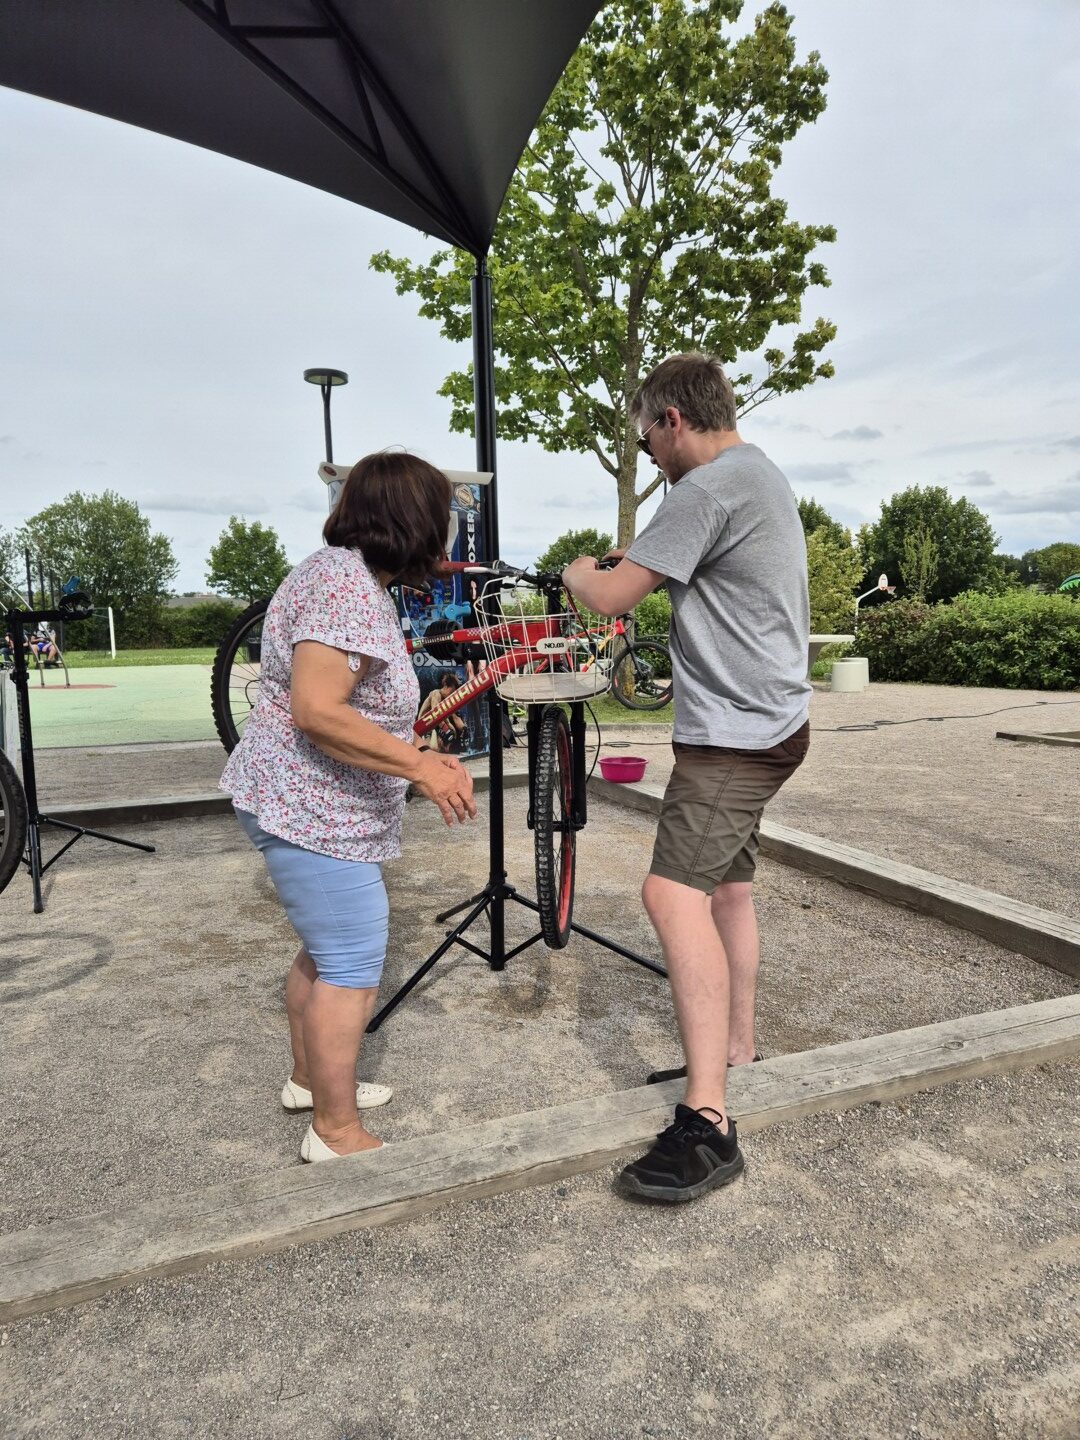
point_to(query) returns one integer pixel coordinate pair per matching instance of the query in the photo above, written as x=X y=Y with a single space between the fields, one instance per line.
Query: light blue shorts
x=337 y=907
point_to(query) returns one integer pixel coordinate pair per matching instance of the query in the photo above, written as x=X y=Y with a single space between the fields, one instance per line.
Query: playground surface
x=121 y=704
x=907 y=1269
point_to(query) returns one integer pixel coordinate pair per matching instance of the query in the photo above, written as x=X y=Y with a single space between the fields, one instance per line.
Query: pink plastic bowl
x=622 y=768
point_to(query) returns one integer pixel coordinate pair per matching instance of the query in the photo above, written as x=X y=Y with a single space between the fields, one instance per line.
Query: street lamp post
x=326 y=380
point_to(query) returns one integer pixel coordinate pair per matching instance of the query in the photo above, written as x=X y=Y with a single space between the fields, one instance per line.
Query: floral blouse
x=294 y=789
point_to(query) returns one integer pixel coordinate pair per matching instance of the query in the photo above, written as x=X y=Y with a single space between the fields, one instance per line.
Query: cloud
x=962 y=447
x=774 y=422
x=1063 y=499
x=820 y=472
x=224 y=505
x=860 y=432
x=590 y=500
x=10 y=440
x=1073 y=442
x=977 y=479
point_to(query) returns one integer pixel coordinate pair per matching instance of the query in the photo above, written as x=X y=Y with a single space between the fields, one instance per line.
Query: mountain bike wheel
x=641 y=676
x=234 y=684
x=553 y=832
x=12 y=820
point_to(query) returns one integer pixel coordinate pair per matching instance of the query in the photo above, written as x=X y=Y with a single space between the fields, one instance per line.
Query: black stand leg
x=15 y=621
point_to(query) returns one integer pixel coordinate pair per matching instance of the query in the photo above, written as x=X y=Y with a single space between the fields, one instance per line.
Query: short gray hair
x=695 y=385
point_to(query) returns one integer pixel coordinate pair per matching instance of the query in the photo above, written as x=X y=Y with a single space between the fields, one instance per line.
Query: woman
x=318 y=780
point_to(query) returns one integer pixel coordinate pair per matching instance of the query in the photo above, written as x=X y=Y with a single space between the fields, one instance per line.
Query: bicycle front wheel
x=234 y=685
x=553 y=831
x=641 y=676
x=12 y=820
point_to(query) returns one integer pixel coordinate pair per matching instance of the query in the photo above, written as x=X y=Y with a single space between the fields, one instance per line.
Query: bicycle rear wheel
x=12 y=820
x=234 y=684
x=554 y=836
x=641 y=676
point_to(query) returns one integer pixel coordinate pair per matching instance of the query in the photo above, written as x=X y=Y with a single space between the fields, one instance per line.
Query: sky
x=161 y=302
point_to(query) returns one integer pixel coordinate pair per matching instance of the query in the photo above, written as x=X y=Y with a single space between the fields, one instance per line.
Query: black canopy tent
x=418 y=109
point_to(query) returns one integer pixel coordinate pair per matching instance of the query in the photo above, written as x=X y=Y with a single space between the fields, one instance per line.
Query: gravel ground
x=931 y=787
x=145 y=1044
x=901 y=1272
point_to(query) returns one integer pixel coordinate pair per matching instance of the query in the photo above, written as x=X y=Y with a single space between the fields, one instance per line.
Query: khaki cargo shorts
x=709 y=821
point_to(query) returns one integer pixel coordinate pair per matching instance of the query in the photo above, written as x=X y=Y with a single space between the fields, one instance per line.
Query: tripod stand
x=492 y=899
x=17 y=622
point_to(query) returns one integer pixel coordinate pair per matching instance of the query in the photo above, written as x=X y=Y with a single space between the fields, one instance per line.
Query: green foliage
x=963 y=534
x=107 y=542
x=652 y=616
x=572 y=544
x=920 y=561
x=833 y=570
x=1053 y=563
x=1017 y=640
x=248 y=562
x=816 y=517
x=640 y=222
x=12 y=569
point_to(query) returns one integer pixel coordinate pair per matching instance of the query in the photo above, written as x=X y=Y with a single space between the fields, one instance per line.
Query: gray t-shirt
x=729 y=539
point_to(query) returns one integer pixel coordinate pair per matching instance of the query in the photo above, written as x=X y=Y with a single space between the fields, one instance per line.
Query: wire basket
x=540 y=658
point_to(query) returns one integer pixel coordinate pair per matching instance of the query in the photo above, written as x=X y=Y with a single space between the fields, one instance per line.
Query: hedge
x=1016 y=640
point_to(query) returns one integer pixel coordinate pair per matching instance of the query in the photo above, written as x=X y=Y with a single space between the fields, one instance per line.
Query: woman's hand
x=445 y=781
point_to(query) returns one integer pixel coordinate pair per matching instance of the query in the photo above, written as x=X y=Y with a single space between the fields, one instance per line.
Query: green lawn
x=99 y=661
x=123 y=704
x=609 y=712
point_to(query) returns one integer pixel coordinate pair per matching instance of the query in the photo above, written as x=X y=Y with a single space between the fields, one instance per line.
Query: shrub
x=1016 y=640
x=652 y=616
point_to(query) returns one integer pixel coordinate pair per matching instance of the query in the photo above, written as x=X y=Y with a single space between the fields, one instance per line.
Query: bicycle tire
x=641 y=676
x=554 y=838
x=13 y=818
x=234 y=683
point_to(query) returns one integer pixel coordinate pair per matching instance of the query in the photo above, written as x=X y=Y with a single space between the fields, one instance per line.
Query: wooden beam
x=70 y=1261
x=1043 y=935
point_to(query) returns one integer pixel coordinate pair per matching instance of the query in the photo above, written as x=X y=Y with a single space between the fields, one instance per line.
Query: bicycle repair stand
x=17 y=621
x=492 y=899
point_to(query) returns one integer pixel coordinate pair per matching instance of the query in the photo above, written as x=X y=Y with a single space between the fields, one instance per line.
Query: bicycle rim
x=553 y=833
x=234 y=684
x=641 y=676
x=12 y=820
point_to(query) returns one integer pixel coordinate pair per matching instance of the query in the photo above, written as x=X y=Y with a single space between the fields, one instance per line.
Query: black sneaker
x=659 y=1076
x=689 y=1157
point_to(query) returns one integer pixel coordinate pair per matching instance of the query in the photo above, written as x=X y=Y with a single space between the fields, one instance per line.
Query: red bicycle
x=540 y=650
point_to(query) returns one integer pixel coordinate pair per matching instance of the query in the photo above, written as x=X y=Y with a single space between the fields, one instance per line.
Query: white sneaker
x=368 y=1096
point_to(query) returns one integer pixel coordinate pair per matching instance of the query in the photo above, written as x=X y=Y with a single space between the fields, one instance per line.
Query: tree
x=920 y=561
x=816 y=517
x=569 y=546
x=12 y=570
x=1054 y=563
x=106 y=541
x=964 y=537
x=641 y=222
x=248 y=562
x=833 y=571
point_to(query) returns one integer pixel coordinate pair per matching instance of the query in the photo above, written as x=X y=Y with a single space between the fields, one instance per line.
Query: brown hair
x=695 y=385
x=395 y=509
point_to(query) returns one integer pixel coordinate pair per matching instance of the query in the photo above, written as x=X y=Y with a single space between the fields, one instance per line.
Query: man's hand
x=613 y=556
x=583 y=565
x=445 y=781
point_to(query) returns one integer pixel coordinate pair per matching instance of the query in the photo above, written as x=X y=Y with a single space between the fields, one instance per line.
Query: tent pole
x=484 y=413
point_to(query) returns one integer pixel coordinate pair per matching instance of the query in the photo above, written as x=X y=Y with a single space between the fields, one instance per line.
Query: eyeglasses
x=643 y=444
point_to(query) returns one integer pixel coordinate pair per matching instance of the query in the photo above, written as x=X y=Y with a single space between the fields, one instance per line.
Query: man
x=728 y=541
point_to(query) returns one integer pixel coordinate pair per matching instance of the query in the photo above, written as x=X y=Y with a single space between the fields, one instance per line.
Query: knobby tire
x=553 y=834
x=641 y=676
x=12 y=820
